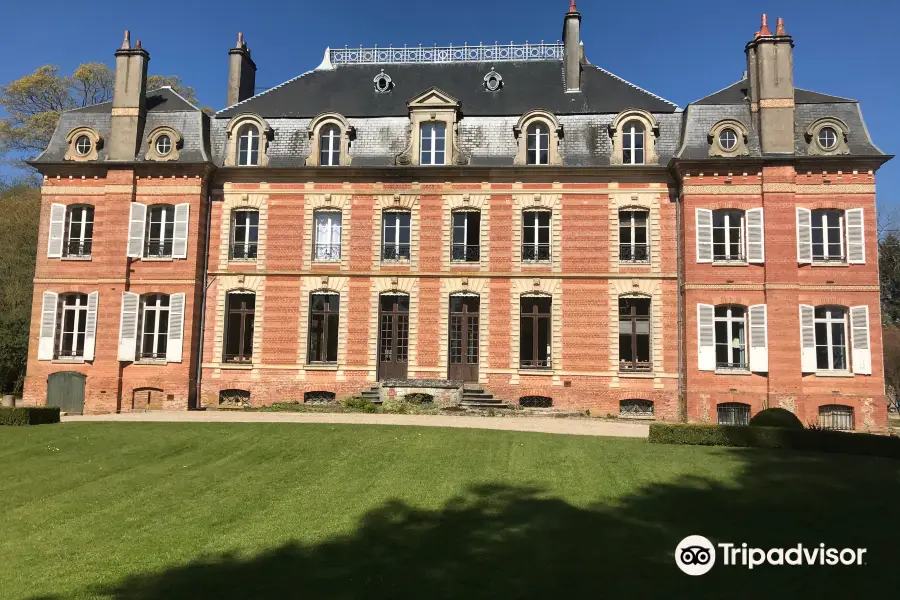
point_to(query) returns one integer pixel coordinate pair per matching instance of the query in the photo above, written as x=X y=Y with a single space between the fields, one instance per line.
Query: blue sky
x=678 y=50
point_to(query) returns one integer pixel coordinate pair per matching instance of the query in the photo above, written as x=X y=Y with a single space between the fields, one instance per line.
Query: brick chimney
x=129 y=106
x=770 y=71
x=241 y=73
x=572 y=42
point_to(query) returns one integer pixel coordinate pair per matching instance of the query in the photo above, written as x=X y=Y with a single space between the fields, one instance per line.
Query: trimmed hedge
x=775 y=437
x=29 y=415
x=776 y=417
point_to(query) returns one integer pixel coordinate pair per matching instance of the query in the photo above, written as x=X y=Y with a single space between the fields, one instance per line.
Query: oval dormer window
x=163 y=145
x=493 y=81
x=383 y=82
x=83 y=145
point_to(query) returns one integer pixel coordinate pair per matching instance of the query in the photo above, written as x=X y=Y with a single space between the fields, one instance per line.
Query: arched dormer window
x=163 y=144
x=248 y=140
x=329 y=136
x=538 y=132
x=728 y=137
x=827 y=136
x=634 y=134
x=83 y=144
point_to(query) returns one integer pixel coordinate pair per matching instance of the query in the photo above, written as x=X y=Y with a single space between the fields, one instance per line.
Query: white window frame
x=729 y=214
x=538 y=132
x=537 y=229
x=247 y=226
x=429 y=157
x=330 y=145
x=395 y=242
x=163 y=211
x=158 y=331
x=465 y=234
x=80 y=322
x=323 y=250
x=823 y=215
x=83 y=150
x=86 y=211
x=248 y=134
x=829 y=341
x=630 y=132
x=631 y=225
x=730 y=321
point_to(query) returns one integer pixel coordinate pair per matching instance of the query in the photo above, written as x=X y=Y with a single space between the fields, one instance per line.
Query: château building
x=506 y=220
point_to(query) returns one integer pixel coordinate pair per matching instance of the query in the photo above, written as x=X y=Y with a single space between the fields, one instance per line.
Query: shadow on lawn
x=504 y=542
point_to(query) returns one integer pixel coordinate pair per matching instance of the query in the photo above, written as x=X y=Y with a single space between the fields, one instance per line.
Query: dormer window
x=633 y=143
x=728 y=139
x=827 y=138
x=83 y=145
x=329 y=141
x=538 y=133
x=383 y=82
x=248 y=146
x=163 y=145
x=493 y=81
x=634 y=132
x=538 y=144
x=433 y=143
x=330 y=146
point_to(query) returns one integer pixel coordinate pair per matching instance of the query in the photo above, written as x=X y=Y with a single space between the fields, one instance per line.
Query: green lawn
x=242 y=511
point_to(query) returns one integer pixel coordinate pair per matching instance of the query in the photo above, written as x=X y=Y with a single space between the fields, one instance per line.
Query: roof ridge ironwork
x=495 y=52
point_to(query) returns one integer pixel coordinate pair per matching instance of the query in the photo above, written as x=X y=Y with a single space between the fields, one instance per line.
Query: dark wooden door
x=65 y=389
x=393 y=337
x=463 y=351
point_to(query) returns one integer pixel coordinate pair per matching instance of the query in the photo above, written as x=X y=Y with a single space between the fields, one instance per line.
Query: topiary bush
x=356 y=403
x=29 y=415
x=776 y=437
x=776 y=417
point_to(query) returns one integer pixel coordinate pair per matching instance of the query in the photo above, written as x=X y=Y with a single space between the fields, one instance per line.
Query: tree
x=889 y=274
x=34 y=102
x=20 y=207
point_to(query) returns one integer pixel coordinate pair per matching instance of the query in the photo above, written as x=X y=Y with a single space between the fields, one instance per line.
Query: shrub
x=536 y=401
x=776 y=437
x=356 y=403
x=418 y=398
x=29 y=415
x=776 y=417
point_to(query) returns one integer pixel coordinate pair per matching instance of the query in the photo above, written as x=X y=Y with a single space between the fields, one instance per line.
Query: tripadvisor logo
x=696 y=555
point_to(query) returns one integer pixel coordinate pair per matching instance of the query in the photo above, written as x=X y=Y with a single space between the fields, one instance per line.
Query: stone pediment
x=433 y=98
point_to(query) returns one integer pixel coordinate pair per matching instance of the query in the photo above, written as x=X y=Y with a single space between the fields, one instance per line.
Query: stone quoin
x=511 y=217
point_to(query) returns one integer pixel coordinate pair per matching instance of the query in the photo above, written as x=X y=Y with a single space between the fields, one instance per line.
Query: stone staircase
x=373 y=394
x=476 y=398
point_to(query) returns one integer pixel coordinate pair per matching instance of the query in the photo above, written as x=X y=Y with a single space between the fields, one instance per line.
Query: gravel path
x=536 y=424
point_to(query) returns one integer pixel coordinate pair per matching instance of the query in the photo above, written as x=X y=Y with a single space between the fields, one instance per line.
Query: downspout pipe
x=199 y=377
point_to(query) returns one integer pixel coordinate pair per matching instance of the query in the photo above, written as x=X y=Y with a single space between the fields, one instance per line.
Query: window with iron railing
x=836 y=416
x=244 y=235
x=534 y=332
x=327 y=242
x=324 y=320
x=466 y=236
x=395 y=236
x=536 y=235
x=79 y=231
x=634 y=335
x=633 y=246
x=239 y=319
x=733 y=413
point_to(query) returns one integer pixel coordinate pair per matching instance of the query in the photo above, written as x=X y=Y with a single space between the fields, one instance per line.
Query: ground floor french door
x=393 y=337
x=463 y=351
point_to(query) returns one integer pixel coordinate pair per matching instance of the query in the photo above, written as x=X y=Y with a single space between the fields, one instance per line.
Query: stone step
x=473 y=396
x=484 y=405
x=473 y=390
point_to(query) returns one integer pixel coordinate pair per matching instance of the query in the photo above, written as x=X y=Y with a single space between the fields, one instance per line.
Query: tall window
x=244 y=234
x=633 y=246
x=72 y=326
x=634 y=334
x=731 y=338
x=79 y=231
x=536 y=235
x=828 y=235
x=395 y=238
x=432 y=144
x=534 y=333
x=466 y=236
x=733 y=413
x=633 y=143
x=330 y=146
x=154 y=327
x=538 y=144
x=323 y=328
x=831 y=338
x=239 y=315
x=160 y=231
x=728 y=235
x=328 y=236
x=248 y=146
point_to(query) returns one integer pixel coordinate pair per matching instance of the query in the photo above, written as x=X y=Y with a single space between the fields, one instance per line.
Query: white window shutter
x=807 y=339
x=176 y=328
x=804 y=236
x=137 y=223
x=57 y=230
x=47 y=336
x=128 y=326
x=704 y=235
x=180 y=236
x=859 y=332
x=759 y=339
x=755 y=236
x=90 y=326
x=856 y=242
x=706 y=337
